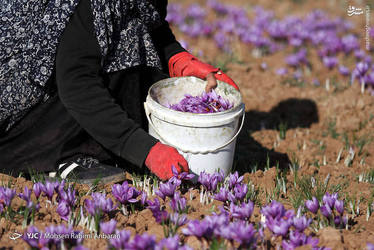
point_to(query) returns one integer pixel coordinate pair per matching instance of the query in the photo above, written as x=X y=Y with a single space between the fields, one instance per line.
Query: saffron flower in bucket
x=205 y=103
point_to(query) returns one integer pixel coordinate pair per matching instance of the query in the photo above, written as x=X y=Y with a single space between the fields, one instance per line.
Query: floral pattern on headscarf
x=29 y=37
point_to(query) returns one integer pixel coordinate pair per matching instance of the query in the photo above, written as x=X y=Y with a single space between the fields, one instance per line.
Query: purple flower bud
x=63 y=210
x=222 y=195
x=7 y=195
x=244 y=233
x=198 y=229
x=122 y=241
x=124 y=193
x=68 y=196
x=37 y=189
x=361 y=68
x=166 y=189
x=234 y=179
x=178 y=219
x=178 y=203
x=281 y=71
x=326 y=211
x=49 y=189
x=243 y=211
x=301 y=223
x=344 y=70
x=160 y=214
x=312 y=205
x=273 y=210
x=26 y=194
x=330 y=61
x=339 y=206
x=108 y=227
x=278 y=226
x=143 y=241
x=330 y=199
x=143 y=198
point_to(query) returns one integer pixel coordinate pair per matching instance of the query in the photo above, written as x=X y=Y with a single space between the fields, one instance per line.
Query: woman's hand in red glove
x=185 y=64
x=161 y=158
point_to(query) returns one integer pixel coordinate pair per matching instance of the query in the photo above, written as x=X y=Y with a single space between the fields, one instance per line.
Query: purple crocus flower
x=108 y=227
x=37 y=188
x=350 y=43
x=281 y=71
x=48 y=188
x=301 y=223
x=339 y=206
x=142 y=242
x=98 y=204
x=326 y=211
x=7 y=195
x=68 y=196
x=26 y=194
x=330 y=199
x=312 y=205
x=240 y=192
x=244 y=233
x=199 y=229
x=124 y=193
x=122 y=241
x=166 y=189
x=243 y=211
x=344 y=70
x=178 y=219
x=330 y=61
x=160 y=214
x=210 y=181
x=274 y=210
x=178 y=203
x=170 y=243
x=234 y=179
x=222 y=195
x=278 y=226
x=143 y=198
x=63 y=210
x=179 y=177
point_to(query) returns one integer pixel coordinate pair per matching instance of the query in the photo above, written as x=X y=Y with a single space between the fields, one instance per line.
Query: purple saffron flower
x=326 y=211
x=63 y=210
x=240 y=192
x=344 y=70
x=98 y=204
x=278 y=226
x=330 y=199
x=68 y=195
x=370 y=246
x=143 y=198
x=160 y=214
x=108 y=227
x=178 y=219
x=171 y=243
x=26 y=194
x=124 y=193
x=330 y=61
x=243 y=211
x=199 y=229
x=234 y=179
x=179 y=177
x=178 y=203
x=339 y=206
x=312 y=205
x=122 y=241
x=37 y=189
x=7 y=195
x=244 y=233
x=301 y=223
x=274 y=210
x=142 y=242
x=166 y=189
x=222 y=195
x=48 y=188
x=350 y=43
x=281 y=71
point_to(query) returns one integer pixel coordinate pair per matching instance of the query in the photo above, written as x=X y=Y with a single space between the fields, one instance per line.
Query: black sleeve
x=163 y=37
x=82 y=90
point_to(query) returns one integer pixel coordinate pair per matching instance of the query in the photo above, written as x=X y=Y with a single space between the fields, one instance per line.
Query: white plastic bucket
x=207 y=141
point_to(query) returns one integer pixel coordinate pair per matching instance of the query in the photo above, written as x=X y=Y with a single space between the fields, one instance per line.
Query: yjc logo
x=32 y=235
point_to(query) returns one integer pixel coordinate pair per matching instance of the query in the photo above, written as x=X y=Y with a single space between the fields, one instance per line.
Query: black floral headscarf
x=29 y=36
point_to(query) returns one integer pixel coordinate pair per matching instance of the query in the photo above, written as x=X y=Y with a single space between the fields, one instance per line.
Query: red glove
x=185 y=64
x=160 y=159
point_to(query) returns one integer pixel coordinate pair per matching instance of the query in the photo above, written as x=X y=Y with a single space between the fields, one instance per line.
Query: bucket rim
x=235 y=108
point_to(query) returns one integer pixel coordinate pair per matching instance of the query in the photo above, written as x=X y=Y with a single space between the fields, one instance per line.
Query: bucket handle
x=187 y=150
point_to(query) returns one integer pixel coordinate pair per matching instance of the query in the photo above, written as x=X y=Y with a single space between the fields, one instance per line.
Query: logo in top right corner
x=352 y=10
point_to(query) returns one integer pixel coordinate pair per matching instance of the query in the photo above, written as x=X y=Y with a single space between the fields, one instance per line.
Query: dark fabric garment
x=95 y=113
x=30 y=31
